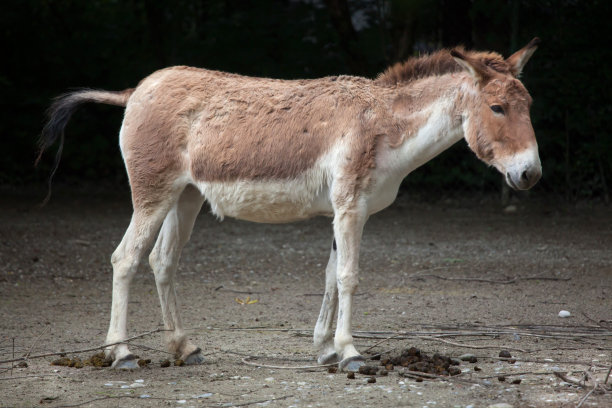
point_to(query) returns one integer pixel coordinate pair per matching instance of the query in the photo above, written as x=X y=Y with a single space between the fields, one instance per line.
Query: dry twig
x=306 y=367
x=59 y=353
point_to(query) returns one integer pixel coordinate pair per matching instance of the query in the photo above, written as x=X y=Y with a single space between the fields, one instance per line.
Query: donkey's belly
x=267 y=201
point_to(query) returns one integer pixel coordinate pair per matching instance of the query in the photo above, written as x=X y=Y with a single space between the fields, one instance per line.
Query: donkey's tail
x=59 y=114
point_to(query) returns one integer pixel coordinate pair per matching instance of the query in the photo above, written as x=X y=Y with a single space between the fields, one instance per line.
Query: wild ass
x=268 y=150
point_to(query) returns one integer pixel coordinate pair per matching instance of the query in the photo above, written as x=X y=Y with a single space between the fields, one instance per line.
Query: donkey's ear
x=518 y=60
x=473 y=65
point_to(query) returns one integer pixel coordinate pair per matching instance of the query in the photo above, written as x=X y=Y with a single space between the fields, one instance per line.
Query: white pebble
x=205 y=395
x=125 y=386
x=145 y=396
x=139 y=381
x=181 y=401
x=564 y=313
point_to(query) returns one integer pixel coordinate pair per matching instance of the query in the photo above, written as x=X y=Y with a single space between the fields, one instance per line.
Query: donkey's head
x=498 y=126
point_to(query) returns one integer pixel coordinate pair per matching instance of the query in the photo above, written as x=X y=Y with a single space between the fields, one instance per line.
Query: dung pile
x=414 y=360
x=97 y=360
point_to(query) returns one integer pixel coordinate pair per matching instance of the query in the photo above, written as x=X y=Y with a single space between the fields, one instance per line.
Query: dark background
x=52 y=46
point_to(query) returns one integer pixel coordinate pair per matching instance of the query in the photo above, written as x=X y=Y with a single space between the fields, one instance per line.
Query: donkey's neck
x=431 y=121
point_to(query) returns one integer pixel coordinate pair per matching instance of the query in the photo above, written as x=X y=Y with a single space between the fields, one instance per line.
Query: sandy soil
x=55 y=283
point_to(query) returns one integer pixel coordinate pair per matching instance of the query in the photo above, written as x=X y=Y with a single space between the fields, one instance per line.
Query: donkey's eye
x=497 y=109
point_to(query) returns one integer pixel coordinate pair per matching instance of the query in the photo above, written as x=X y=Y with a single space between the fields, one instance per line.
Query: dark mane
x=437 y=63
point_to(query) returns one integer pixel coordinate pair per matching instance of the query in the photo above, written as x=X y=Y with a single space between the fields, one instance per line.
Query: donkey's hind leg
x=323 y=334
x=175 y=233
x=125 y=260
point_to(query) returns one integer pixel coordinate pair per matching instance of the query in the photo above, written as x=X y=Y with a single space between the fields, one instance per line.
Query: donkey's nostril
x=524 y=176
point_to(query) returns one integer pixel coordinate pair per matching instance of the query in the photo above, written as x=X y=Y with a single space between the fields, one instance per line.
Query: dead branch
x=306 y=367
x=570 y=380
x=434 y=338
x=36 y=341
x=418 y=374
x=502 y=282
x=59 y=353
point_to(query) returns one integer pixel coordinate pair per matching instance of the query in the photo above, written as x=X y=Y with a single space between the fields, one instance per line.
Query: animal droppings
x=143 y=362
x=468 y=357
x=179 y=363
x=164 y=363
x=505 y=354
x=415 y=360
x=351 y=376
x=368 y=370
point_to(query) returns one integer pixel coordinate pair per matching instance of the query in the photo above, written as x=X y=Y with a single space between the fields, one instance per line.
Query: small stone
x=332 y=370
x=564 y=313
x=389 y=367
x=383 y=372
x=22 y=364
x=517 y=381
x=476 y=368
x=511 y=209
x=371 y=380
x=512 y=361
x=501 y=378
x=505 y=354
x=165 y=363
x=418 y=379
x=500 y=405
x=455 y=361
x=351 y=376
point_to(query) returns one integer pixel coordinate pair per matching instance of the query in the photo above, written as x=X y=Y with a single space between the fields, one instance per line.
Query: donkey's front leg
x=323 y=334
x=348 y=227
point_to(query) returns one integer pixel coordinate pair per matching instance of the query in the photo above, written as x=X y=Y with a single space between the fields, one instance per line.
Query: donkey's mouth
x=511 y=183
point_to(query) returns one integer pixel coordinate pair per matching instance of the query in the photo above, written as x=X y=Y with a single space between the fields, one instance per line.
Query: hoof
x=194 y=358
x=328 y=358
x=128 y=362
x=351 y=364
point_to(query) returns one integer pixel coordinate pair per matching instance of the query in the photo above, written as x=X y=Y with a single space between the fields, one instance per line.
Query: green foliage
x=51 y=46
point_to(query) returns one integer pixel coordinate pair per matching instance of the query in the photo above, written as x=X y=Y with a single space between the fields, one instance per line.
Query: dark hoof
x=351 y=364
x=328 y=358
x=194 y=358
x=128 y=362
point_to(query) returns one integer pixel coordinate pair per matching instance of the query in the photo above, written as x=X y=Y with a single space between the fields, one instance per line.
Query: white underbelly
x=268 y=201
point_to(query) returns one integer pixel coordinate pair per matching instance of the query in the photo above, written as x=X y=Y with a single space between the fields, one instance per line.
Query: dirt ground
x=55 y=291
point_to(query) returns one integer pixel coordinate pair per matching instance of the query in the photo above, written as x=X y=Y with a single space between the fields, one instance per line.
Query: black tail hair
x=59 y=114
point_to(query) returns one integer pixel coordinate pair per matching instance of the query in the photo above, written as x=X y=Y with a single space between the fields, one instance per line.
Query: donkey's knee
x=124 y=264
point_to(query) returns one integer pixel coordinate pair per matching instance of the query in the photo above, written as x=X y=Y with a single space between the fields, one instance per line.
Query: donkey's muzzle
x=525 y=179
